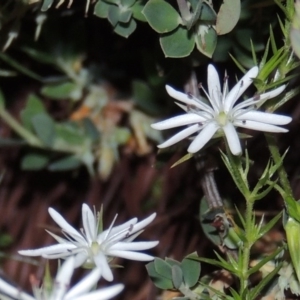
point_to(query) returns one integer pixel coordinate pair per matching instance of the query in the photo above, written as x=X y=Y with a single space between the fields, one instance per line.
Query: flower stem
x=30 y=138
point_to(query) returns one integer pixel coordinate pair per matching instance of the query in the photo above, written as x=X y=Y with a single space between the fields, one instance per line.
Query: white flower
x=222 y=114
x=60 y=289
x=92 y=248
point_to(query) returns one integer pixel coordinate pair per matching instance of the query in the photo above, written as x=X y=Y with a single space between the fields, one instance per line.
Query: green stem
x=30 y=138
x=247 y=245
x=283 y=178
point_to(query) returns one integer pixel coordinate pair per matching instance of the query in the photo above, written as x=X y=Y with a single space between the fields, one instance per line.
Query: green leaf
x=182 y=160
x=177 y=276
x=254 y=293
x=191 y=271
x=33 y=107
x=113 y=15
x=19 y=67
x=125 y=16
x=101 y=9
x=137 y=11
x=264 y=261
x=159 y=281
x=292 y=229
x=125 y=29
x=228 y=16
x=208 y=229
x=207 y=13
x=206 y=40
x=68 y=133
x=46 y=4
x=5 y=142
x=127 y=3
x=264 y=229
x=161 y=16
x=91 y=129
x=144 y=97
x=178 y=43
x=34 y=161
x=62 y=91
x=163 y=268
x=44 y=127
x=172 y=262
x=2 y=100
x=65 y=164
x=295 y=40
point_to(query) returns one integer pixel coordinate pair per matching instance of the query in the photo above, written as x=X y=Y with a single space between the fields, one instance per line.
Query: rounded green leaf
x=65 y=164
x=125 y=29
x=101 y=9
x=228 y=16
x=33 y=107
x=207 y=13
x=178 y=43
x=62 y=91
x=162 y=268
x=44 y=127
x=161 y=16
x=191 y=271
x=177 y=277
x=127 y=3
x=125 y=16
x=113 y=15
x=137 y=11
x=159 y=281
x=34 y=161
x=206 y=40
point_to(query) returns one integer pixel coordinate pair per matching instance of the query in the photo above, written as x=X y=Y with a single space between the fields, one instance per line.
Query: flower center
x=221 y=118
x=95 y=247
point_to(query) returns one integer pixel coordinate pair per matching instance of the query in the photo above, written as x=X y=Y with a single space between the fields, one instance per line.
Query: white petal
x=89 y=223
x=80 y=258
x=239 y=88
x=271 y=94
x=134 y=246
x=177 y=121
x=142 y=224
x=263 y=117
x=131 y=255
x=63 y=278
x=84 y=285
x=232 y=139
x=214 y=87
x=103 y=294
x=101 y=263
x=259 y=126
x=13 y=291
x=203 y=137
x=59 y=220
x=59 y=248
x=181 y=135
x=189 y=100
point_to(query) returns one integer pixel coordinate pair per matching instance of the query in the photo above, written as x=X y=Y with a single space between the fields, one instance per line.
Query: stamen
x=110 y=227
x=190 y=95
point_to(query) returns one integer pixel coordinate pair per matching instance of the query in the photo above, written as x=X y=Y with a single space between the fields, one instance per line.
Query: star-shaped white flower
x=222 y=114
x=92 y=248
x=61 y=287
